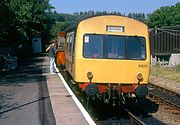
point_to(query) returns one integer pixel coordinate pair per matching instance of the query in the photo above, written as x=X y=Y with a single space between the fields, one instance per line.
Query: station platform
x=65 y=107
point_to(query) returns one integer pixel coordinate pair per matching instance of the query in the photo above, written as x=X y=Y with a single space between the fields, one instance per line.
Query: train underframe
x=115 y=94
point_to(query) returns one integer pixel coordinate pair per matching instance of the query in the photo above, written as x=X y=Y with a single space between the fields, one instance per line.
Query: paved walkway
x=65 y=110
x=30 y=95
x=24 y=98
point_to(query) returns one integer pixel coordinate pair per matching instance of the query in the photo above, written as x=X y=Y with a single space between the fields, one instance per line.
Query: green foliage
x=171 y=73
x=165 y=16
x=62 y=21
x=138 y=16
x=7 y=27
x=59 y=22
x=178 y=67
x=24 y=19
x=82 y=15
x=56 y=16
x=176 y=50
x=58 y=26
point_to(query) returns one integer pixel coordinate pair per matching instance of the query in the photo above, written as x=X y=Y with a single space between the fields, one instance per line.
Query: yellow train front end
x=111 y=53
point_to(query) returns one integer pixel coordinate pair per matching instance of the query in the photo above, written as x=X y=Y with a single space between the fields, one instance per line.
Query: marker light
x=139 y=76
x=89 y=75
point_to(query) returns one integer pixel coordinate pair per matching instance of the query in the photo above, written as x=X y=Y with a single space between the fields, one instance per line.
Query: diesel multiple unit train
x=108 y=57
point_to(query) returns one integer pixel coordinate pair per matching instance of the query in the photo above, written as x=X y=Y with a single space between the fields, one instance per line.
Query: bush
x=178 y=67
x=176 y=50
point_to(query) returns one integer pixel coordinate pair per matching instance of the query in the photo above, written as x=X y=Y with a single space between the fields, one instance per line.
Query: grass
x=171 y=73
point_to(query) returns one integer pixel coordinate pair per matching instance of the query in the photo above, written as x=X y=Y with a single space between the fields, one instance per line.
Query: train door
x=70 y=52
x=67 y=51
x=60 y=55
x=72 y=41
x=73 y=47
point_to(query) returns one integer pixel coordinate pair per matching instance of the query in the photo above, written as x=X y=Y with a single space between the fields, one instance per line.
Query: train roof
x=74 y=26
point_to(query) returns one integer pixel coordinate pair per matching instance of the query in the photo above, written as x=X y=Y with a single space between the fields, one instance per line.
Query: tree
x=8 y=31
x=23 y=19
x=61 y=22
x=138 y=16
x=58 y=26
x=165 y=16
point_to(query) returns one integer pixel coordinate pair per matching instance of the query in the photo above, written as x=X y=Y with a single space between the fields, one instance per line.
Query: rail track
x=120 y=116
x=159 y=95
x=124 y=115
x=135 y=120
x=114 y=116
x=127 y=115
x=162 y=95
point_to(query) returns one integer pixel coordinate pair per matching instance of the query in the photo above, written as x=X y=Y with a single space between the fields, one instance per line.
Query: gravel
x=165 y=83
x=165 y=113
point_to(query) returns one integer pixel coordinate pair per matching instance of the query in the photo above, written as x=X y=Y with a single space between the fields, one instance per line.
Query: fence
x=165 y=41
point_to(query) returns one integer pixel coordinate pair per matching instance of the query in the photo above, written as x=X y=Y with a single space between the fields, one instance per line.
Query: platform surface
x=65 y=110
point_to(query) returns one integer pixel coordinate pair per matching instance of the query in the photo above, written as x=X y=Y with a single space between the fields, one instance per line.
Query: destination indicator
x=115 y=28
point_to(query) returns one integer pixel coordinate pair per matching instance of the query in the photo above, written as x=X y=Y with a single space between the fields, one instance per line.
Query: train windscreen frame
x=114 y=47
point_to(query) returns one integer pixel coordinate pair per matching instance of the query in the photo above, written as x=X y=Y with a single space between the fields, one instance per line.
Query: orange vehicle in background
x=60 y=55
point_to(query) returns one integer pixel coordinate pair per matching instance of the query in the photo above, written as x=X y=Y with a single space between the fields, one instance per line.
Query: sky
x=123 y=6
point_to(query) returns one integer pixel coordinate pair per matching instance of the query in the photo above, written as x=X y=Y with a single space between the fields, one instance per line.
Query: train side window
x=71 y=43
x=73 y=47
x=67 y=43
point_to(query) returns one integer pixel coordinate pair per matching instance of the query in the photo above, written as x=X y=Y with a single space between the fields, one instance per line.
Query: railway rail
x=128 y=119
x=164 y=95
x=134 y=119
x=124 y=116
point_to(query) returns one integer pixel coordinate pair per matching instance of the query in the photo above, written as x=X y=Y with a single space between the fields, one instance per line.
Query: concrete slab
x=65 y=109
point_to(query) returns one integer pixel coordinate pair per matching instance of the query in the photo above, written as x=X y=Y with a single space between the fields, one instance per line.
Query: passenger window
x=67 y=43
x=72 y=46
x=136 y=48
x=115 y=47
x=70 y=43
x=93 y=46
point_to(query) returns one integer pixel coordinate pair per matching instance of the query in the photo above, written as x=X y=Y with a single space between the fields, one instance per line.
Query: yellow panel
x=111 y=71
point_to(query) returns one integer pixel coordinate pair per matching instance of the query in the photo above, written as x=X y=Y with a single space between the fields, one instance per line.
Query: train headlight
x=89 y=75
x=139 y=76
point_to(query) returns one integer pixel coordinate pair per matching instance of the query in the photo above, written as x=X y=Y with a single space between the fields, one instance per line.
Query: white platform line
x=81 y=108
